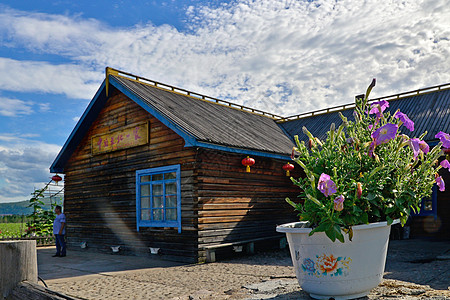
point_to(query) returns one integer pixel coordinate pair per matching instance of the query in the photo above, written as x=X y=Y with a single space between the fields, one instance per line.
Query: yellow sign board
x=132 y=136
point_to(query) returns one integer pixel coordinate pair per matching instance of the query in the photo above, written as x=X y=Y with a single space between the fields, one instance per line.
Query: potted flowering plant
x=365 y=175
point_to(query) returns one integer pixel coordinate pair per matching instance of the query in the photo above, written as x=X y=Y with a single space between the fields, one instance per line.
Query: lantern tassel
x=247 y=169
x=288 y=173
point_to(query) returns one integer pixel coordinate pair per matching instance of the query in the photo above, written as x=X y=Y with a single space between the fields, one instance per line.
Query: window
x=158 y=197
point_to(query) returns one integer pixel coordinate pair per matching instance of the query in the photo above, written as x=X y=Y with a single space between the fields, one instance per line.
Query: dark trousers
x=60 y=244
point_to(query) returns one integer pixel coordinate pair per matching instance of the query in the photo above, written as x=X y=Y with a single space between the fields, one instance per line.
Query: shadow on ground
x=80 y=263
x=425 y=262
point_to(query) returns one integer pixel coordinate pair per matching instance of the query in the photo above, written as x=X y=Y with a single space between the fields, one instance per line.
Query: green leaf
x=314 y=200
x=376 y=212
x=321 y=228
x=389 y=220
x=296 y=206
x=338 y=233
x=365 y=218
x=391 y=209
x=371 y=196
x=331 y=234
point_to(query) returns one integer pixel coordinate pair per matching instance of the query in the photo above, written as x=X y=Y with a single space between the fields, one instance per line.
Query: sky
x=281 y=56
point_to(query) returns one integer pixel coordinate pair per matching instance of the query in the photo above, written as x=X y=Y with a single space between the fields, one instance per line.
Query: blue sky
x=281 y=56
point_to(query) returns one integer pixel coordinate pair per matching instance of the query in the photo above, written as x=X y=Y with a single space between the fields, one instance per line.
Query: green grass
x=12 y=229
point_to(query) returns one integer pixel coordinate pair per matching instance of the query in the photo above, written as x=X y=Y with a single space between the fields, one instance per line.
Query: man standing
x=59 y=231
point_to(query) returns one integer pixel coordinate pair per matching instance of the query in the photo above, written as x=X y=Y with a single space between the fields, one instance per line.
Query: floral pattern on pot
x=327 y=265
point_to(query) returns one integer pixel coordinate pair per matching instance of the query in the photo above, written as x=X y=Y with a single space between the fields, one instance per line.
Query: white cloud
x=44 y=107
x=24 y=166
x=32 y=76
x=300 y=54
x=13 y=107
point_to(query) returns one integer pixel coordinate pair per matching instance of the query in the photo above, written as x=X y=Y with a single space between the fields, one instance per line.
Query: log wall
x=234 y=205
x=100 y=190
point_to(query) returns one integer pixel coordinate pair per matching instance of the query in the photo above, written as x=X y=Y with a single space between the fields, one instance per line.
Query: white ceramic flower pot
x=338 y=270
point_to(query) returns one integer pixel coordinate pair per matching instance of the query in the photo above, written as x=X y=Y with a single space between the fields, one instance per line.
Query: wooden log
x=18 y=262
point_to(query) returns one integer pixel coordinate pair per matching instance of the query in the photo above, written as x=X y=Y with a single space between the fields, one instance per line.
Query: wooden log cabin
x=151 y=166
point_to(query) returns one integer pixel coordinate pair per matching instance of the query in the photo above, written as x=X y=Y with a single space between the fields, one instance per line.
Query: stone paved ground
x=413 y=271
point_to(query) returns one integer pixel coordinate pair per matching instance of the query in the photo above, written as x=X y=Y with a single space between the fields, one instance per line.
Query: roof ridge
x=180 y=91
x=418 y=92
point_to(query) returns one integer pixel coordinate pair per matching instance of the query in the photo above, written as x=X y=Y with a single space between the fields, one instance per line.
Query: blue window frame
x=158 y=197
x=428 y=206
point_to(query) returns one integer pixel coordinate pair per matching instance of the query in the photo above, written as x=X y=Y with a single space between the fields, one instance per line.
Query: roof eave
x=77 y=134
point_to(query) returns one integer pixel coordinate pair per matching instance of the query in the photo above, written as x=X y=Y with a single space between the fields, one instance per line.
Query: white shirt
x=61 y=218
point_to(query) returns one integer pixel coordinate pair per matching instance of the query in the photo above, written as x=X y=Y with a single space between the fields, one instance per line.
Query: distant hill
x=21 y=208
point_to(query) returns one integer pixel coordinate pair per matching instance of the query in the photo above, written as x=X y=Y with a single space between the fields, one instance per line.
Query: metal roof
x=209 y=122
x=201 y=121
x=429 y=111
x=212 y=123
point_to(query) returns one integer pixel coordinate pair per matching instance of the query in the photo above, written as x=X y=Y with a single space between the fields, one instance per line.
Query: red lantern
x=56 y=178
x=288 y=167
x=247 y=162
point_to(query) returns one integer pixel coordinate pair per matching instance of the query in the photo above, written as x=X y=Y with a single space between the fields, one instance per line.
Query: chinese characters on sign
x=130 y=137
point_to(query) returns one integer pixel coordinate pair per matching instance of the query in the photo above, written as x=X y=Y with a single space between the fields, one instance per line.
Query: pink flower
x=339 y=203
x=385 y=133
x=444 y=138
x=326 y=185
x=440 y=183
x=445 y=164
x=406 y=121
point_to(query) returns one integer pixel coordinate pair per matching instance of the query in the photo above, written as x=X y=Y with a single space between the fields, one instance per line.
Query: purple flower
x=371 y=148
x=406 y=121
x=339 y=203
x=445 y=164
x=440 y=183
x=444 y=137
x=415 y=146
x=424 y=147
x=370 y=127
x=385 y=133
x=326 y=185
x=375 y=110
